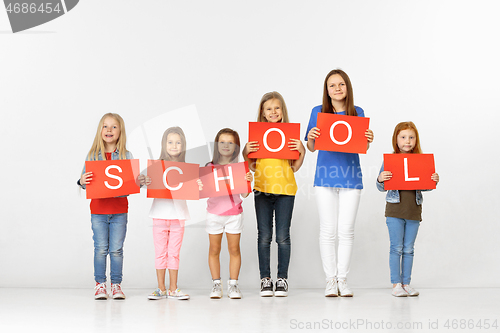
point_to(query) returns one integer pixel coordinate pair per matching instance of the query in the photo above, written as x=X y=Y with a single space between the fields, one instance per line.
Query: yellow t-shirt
x=274 y=176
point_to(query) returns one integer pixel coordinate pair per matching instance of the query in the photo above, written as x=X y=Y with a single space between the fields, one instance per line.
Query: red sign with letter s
x=112 y=178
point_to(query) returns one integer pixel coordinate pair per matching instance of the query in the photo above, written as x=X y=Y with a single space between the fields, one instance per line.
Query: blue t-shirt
x=336 y=169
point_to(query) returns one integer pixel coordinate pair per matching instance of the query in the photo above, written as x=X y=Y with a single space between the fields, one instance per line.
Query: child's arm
x=295 y=144
x=144 y=180
x=369 y=137
x=250 y=147
x=311 y=136
x=85 y=179
x=382 y=177
x=248 y=178
x=434 y=177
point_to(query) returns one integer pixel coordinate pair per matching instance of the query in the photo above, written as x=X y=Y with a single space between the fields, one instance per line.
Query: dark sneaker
x=281 y=288
x=266 y=287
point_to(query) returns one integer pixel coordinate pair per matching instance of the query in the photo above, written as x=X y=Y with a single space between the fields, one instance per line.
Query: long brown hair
x=98 y=144
x=267 y=97
x=349 y=99
x=166 y=156
x=401 y=127
x=236 y=137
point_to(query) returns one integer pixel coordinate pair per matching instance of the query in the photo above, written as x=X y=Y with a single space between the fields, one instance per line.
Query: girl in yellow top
x=274 y=190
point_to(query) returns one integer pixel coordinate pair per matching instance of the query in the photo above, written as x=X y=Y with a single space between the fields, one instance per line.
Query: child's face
x=226 y=145
x=271 y=110
x=407 y=139
x=174 y=144
x=110 y=132
x=337 y=89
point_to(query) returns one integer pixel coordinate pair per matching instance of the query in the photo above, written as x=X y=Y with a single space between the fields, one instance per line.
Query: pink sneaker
x=116 y=291
x=100 y=291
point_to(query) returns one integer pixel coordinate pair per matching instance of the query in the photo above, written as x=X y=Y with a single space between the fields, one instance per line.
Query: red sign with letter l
x=409 y=171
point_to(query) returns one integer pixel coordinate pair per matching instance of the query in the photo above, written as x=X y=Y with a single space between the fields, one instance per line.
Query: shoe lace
x=100 y=286
x=116 y=288
x=266 y=283
x=281 y=283
x=233 y=288
x=216 y=287
x=408 y=289
x=342 y=284
x=330 y=284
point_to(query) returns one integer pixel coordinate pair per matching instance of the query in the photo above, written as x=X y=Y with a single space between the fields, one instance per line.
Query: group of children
x=337 y=197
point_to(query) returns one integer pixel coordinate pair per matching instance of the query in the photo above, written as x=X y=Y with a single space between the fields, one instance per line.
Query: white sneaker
x=410 y=291
x=216 y=289
x=398 y=291
x=177 y=294
x=332 y=288
x=232 y=289
x=158 y=294
x=344 y=290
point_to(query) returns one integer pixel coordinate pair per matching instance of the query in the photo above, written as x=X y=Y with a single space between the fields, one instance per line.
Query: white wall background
x=433 y=62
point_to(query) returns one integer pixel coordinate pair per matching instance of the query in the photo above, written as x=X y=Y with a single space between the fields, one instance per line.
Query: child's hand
x=384 y=175
x=295 y=144
x=200 y=184
x=251 y=147
x=369 y=135
x=249 y=177
x=86 y=178
x=435 y=177
x=144 y=180
x=313 y=133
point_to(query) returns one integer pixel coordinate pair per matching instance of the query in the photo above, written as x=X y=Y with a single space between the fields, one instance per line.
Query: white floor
x=75 y=310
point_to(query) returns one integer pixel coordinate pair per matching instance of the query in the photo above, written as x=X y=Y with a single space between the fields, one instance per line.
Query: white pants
x=337 y=209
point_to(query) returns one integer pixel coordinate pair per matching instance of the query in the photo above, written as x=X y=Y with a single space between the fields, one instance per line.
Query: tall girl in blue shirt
x=338 y=184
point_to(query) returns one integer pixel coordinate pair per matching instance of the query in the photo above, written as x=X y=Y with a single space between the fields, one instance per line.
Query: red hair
x=401 y=127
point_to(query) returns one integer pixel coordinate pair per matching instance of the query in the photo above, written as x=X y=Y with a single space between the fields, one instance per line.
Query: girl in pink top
x=225 y=214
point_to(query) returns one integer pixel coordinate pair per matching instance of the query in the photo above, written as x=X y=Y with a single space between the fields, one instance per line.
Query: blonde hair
x=401 y=127
x=267 y=97
x=98 y=145
x=166 y=156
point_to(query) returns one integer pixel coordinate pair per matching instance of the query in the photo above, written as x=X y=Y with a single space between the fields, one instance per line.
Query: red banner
x=273 y=140
x=409 y=171
x=112 y=178
x=342 y=133
x=225 y=179
x=173 y=180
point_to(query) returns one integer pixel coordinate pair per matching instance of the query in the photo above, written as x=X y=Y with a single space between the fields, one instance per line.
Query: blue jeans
x=402 y=234
x=281 y=206
x=109 y=235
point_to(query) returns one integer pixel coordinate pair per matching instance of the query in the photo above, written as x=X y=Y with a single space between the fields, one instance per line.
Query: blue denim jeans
x=109 y=235
x=402 y=234
x=281 y=207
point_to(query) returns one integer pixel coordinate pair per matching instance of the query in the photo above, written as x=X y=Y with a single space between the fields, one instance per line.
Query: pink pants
x=167 y=236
